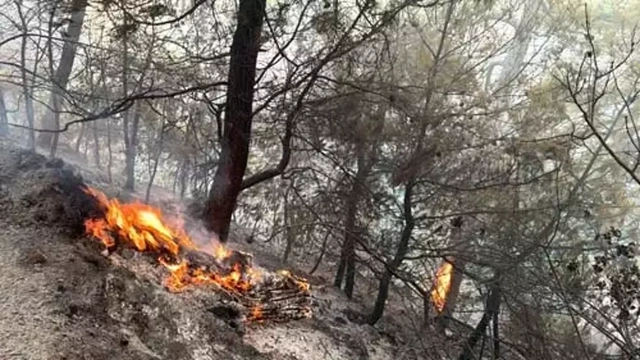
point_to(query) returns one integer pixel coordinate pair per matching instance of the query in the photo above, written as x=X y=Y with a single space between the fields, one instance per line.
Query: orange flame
x=256 y=314
x=145 y=228
x=442 y=286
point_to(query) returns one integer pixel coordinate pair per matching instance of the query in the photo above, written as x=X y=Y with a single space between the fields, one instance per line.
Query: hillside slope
x=62 y=299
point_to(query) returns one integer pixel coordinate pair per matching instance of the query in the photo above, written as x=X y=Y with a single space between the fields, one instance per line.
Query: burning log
x=264 y=296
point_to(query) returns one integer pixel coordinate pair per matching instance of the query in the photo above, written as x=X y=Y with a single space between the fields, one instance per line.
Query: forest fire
x=144 y=228
x=442 y=285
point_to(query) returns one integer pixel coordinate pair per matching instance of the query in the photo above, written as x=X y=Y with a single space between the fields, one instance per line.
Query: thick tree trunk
x=401 y=252
x=4 y=120
x=61 y=77
x=227 y=182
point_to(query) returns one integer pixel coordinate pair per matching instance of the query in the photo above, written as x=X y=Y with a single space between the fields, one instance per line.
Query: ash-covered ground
x=61 y=299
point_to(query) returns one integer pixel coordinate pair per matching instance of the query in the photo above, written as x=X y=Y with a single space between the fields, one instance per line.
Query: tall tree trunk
x=184 y=178
x=26 y=89
x=323 y=250
x=401 y=252
x=129 y=166
x=492 y=307
x=4 y=120
x=154 y=169
x=61 y=76
x=347 y=268
x=80 y=137
x=289 y=232
x=366 y=157
x=131 y=147
x=96 y=146
x=232 y=164
x=109 y=152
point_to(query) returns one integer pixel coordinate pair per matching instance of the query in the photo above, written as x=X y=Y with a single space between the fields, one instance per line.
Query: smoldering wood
x=277 y=297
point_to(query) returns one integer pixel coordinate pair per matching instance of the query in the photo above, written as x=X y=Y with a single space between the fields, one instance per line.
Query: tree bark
x=227 y=182
x=61 y=76
x=401 y=252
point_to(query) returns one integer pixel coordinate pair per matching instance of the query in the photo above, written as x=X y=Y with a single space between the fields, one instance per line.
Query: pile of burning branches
x=264 y=296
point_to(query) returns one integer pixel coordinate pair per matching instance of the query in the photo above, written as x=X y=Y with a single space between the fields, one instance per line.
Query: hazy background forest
x=376 y=143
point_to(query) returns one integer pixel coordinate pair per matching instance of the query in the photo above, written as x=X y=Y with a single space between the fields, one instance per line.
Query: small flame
x=257 y=314
x=442 y=286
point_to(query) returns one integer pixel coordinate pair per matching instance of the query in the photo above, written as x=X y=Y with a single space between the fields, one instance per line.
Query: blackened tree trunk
x=232 y=164
x=61 y=76
x=4 y=120
x=401 y=252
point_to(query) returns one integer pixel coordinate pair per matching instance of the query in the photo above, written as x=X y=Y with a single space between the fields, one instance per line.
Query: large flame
x=442 y=285
x=145 y=228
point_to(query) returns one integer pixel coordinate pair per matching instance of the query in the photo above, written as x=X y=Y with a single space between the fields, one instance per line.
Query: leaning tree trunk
x=61 y=76
x=401 y=252
x=4 y=120
x=232 y=164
